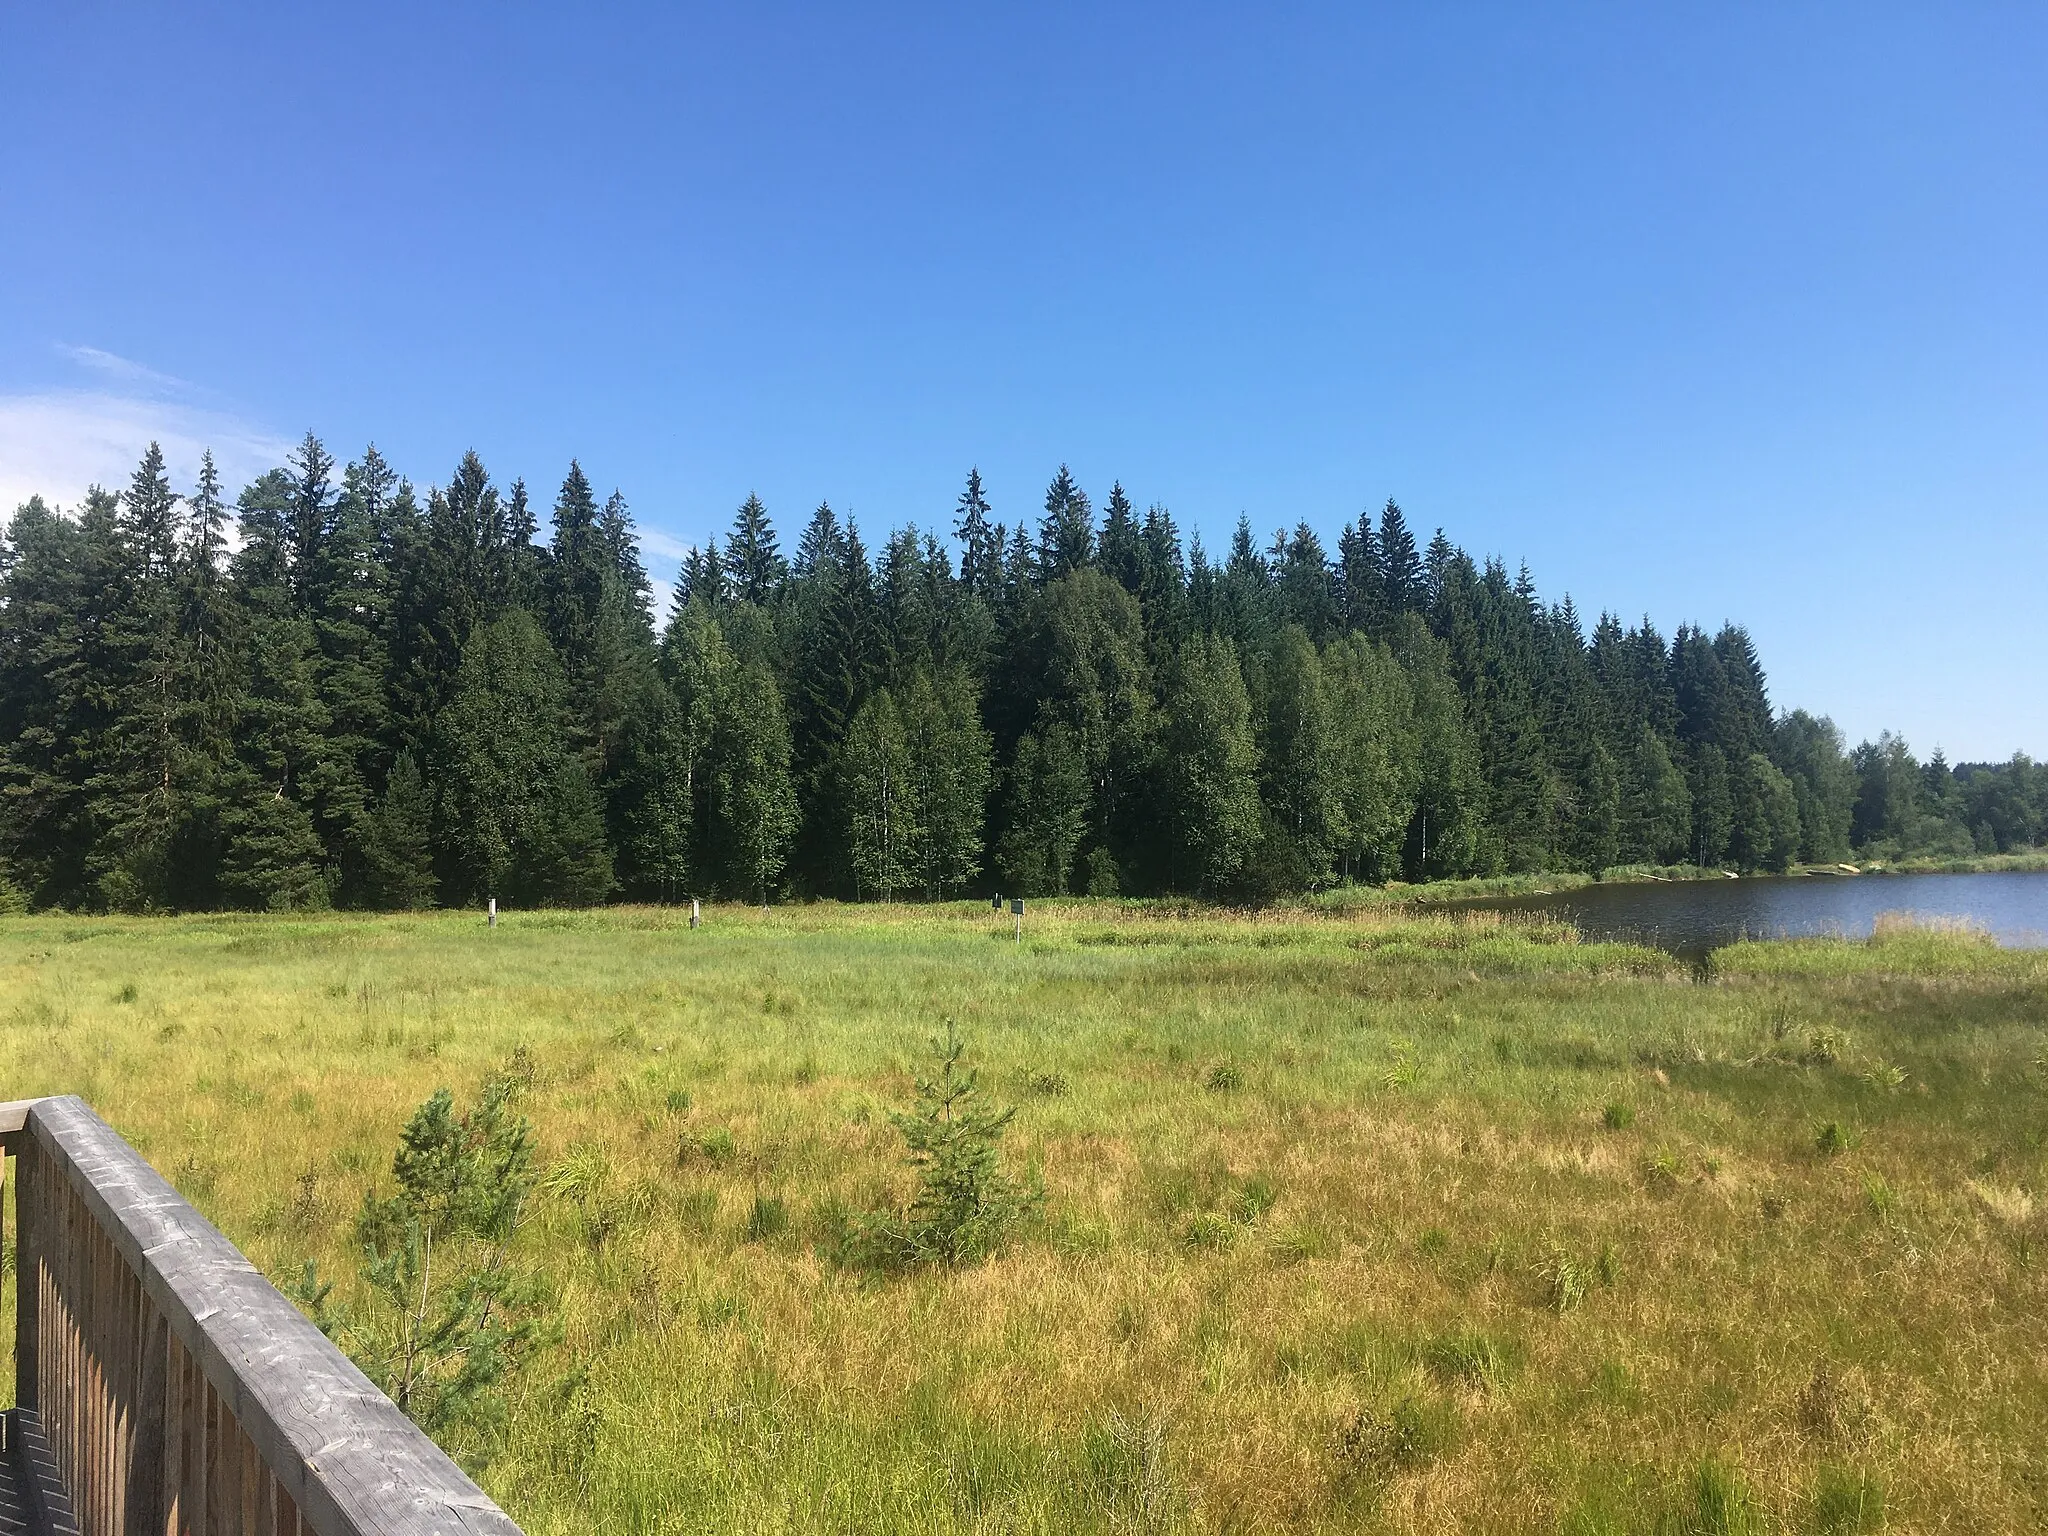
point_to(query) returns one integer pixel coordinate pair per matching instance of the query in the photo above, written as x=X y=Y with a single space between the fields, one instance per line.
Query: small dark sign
x=1017 y=906
x=996 y=901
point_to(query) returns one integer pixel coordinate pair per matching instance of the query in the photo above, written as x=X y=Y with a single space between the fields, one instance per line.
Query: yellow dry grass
x=1425 y=1097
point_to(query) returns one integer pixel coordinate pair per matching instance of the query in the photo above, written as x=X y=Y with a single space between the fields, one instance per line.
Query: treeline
x=333 y=691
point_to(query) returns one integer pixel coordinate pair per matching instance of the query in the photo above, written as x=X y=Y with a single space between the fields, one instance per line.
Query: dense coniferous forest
x=335 y=691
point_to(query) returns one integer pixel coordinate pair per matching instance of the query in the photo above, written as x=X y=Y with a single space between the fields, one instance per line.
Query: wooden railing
x=163 y=1386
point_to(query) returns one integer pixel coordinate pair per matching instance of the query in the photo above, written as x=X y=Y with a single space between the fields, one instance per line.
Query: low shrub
x=1047 y=1085
x=1378 y=1442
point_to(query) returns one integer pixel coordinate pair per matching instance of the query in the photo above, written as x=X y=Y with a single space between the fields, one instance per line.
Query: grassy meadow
x=1354 y=1220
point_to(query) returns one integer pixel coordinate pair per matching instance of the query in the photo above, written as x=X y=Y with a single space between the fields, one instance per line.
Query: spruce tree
x=1093 y=675
x=1656 y=804
x=1121 y=550
x=397 y=843
x=981 y=543
x=575 y=574
x=312 y=497
x=518 y=816
x=1448 y=835
x=139 y=787
x=1361 y=582
x=1297 y=738
x=650 y=801
x=1066 y=534
x=49 y=709
x=346 y=593
x=753 y=563
x=1400 y=565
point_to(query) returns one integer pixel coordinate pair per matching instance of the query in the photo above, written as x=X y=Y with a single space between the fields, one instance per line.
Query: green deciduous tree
x=950 y=754
x=754 y=793
x=1047 y=811
x=1209 y=768
x=883 y=835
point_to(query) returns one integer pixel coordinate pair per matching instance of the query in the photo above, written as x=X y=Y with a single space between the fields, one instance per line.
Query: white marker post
x=493 y=919
x=696 y=912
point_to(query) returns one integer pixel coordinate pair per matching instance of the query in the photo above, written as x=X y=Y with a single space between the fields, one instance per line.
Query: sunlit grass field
x=1354 y=1220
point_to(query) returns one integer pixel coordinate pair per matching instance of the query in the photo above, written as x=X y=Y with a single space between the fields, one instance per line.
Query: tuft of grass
x=1302 y=1242
x=1826 y=1046
x=767 y=1218
x=1722 y=1503
x=1831 y=1138
x=1566 y=1279
x=1618 y=1116
x=1466 y=1357
x=1206 y=1229
x=1224 y=1077
x=1401 y=1072
x=1662 y=1170
x=717 y=1146
x=1254 y=1198
x=1847 y=1501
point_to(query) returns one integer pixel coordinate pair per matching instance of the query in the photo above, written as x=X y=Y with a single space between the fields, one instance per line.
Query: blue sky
x=1731 y=312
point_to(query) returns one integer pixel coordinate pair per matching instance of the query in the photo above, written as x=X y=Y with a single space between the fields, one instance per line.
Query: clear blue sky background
x=1723 y=312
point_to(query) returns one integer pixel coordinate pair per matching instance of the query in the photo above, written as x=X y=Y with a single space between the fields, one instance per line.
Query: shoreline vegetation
x=1376 y=1218
x=1394 y=893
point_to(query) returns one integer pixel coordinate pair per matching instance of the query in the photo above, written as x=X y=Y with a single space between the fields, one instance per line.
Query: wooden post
x=493 y=919
x=696 y=912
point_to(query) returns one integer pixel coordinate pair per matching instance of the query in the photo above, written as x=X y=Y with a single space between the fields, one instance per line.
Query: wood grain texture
x=14 y=1116
x=182 y=1392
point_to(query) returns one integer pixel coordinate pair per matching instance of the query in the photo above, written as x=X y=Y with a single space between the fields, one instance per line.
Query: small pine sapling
x=448 y=1315
x=965 y=1207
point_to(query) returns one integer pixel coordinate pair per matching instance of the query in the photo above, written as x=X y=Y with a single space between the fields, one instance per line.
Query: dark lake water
x=1691 y=917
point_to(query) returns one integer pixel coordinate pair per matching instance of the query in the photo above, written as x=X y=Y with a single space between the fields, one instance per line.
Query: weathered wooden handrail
x=164 y=1386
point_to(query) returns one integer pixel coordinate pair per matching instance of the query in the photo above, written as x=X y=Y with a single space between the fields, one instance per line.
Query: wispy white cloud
x=655 y=542
x=55 y=443
x=128 y=371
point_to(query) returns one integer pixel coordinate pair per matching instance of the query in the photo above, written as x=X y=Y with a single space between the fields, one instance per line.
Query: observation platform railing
x=163 y=1387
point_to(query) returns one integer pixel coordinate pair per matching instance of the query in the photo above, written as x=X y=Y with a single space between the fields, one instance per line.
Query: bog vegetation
x=1319 y=1219
x=357 y=696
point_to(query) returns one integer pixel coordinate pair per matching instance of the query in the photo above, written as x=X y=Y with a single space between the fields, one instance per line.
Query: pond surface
x=1691 y=917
